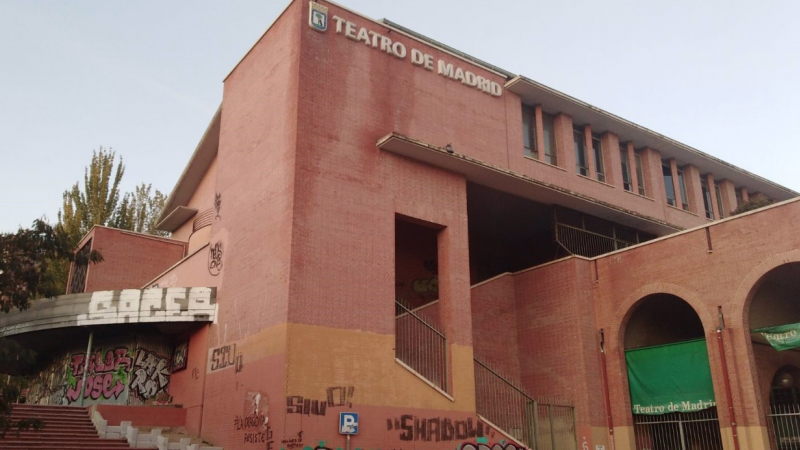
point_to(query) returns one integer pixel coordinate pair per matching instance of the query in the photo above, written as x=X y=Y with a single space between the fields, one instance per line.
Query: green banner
x=670 y=378
x=781 y=337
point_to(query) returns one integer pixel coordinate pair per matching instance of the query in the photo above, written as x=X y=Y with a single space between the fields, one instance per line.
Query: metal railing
x=589 y=236
x=539 y=425
x=421 y=345
x=783 y=423
x=678 y=431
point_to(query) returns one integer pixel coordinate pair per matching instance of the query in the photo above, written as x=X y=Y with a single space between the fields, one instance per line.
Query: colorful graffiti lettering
x=436 y=429
x=180 y=357
x=150 y=374
x=481 y=444
x=106 y=378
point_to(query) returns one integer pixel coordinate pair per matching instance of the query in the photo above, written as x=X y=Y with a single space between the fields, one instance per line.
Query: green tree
x=139 y=210
x=754 y=203
x=25 y=260
x=97 y=203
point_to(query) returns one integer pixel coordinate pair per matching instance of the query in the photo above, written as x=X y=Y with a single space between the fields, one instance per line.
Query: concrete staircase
x=66 y=428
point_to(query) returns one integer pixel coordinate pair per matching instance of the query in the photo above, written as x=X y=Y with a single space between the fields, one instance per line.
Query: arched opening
x=669 y=377
x=774 y=321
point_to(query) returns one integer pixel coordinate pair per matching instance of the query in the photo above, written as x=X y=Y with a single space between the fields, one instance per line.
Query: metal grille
x=589 y=236
x=80 y=269
x=678 y=431
x=540 y=426
x=203 y=220
x=783 y=422
x=421 y=345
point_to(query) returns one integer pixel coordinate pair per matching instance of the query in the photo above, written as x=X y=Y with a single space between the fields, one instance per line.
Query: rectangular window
x=669 y=188
x=706 y=198
x=719 y=201
x=682 y=185
x=529 y=131
x=626 y=172
x=579 y=139
x=599 y=166
x=549 y=134
x=639 y=174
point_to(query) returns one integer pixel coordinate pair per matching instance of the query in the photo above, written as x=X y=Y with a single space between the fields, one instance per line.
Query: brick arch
x=626 y=308
x=740 y=324
x=743 y=295
x=616 y=332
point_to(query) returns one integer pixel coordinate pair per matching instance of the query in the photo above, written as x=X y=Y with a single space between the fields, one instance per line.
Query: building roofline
x=602 y=121
x=198 y=165
x=135 y=233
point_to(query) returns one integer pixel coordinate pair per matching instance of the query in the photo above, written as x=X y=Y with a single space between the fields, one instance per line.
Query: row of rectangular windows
x=531 y=143
x=628 y=155
x=669 y=188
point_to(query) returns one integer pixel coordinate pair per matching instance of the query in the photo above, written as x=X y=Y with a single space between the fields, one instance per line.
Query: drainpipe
x=609 y=419
x=726 y=380
x=86 y=365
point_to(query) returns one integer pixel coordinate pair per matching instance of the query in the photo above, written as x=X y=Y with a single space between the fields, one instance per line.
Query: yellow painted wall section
x=321 y=357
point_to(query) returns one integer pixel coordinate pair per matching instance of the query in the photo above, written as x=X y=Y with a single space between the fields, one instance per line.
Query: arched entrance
x=669 y=377
x=774 y=319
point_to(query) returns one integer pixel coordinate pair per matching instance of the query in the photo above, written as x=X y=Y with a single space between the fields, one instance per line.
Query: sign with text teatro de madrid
x=318 y=20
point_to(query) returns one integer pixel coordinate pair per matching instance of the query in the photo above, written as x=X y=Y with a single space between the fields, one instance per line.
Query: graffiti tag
x=436 y=429
x=337 y=396
x=150 y=374
x=226 y=356
x=215 y=259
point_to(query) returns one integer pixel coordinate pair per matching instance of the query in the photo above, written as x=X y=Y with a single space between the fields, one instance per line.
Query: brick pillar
x=691 y=175
x=587 y=142
x=611 y=158
x=651 y=173
x=537 y=110
x=728 y=191
x=564 y=144
x=745 y=196
x=676 y=185
x=632 y=168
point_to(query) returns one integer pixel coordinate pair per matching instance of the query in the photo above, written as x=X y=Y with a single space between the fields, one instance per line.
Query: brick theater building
x=377 y=223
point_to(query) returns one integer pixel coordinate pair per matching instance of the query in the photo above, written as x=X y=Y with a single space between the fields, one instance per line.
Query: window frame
x=627 y=181
x=550 y=149
x=580 y=148
x=637 y=160
x=599 y=161
x=532 y=146
x=669 y=184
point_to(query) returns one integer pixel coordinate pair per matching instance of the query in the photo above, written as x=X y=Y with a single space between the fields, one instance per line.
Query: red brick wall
x=255 y=177
x=558 y=341
x=143 y=416
x=494 y=325
x=743 y=250
x=187 y=385
x=129 y=259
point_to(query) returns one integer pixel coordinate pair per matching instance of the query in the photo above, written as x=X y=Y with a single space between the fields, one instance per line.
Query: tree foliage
x=97 y=203
x=25 y=274
x=101 y=202
x=139 y=210
x=25 y=260
x=750 y=205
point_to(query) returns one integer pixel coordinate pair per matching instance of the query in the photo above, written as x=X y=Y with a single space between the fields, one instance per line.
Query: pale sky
x=145 y=78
